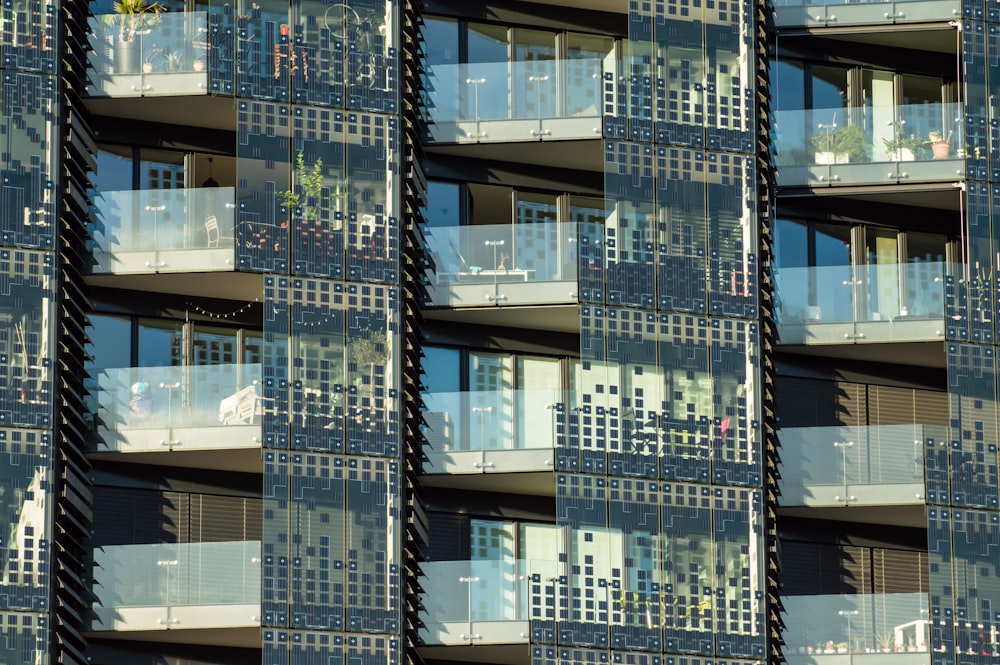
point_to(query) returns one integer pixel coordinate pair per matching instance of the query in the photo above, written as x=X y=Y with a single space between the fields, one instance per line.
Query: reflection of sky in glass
x=110 y=341
x=443 y=204
x=114 y=171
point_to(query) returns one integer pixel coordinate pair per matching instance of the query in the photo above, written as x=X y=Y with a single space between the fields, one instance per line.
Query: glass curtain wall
x=30 y=131
x=660 y=480
x=962 y=478
x=317 y=210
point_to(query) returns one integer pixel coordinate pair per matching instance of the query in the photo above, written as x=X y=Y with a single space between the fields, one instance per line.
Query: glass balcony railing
x=503 y=264
x=868 y=303
x=164 y=54
x=163 y=408
x=511 y=101
x=866 y=12
x=161 y=585
x=894 y=627
x=845 y=465
x=480 y=602
x=165 y=230
x=492 y=419
x=870 y=145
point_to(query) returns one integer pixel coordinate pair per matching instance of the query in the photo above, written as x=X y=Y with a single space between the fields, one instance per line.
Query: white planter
x=812 y=313
x=825 y=157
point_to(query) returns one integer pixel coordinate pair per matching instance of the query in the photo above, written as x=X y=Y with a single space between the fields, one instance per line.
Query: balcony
x=855 y=466
x=491 y=431
x=476 y=603
x=165 y=230
x=796 y=13
x=539 y=100
x=146 y=412
x=862 y=629
x=177 y=587
x=495 y=265
x=150 y=55
x=862 y=304
x=878 y=145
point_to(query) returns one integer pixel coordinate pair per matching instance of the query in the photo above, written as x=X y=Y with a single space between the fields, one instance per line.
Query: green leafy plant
x=850 y=140
x=131 y=16
x=307 y=187
x=174 y=60
x=894 y=146
x=150 y=57
x=369 y=350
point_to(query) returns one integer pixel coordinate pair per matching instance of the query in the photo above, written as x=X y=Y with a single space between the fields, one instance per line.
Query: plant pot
x=941 y=149
x=902 y=155
x=127 y=58
x=827 y=157
x=147 y=68
x=198 y=66
x=812 y=313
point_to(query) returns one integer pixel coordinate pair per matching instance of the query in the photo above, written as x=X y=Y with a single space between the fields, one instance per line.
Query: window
x=477 y=227
x=489 y=71
x=121 y=341
x=501 y=400
x=841 y=272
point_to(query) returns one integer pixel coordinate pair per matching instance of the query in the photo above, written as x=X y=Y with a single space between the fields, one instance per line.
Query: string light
x=223 y=315
x=311 y=326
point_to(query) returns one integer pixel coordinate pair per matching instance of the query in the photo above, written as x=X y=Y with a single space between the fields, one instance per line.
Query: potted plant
x=174 y=60
x=199 y=64
x=904 y=148
x=940 y=146
x=130 y=18
x=149 y=58
x=841 y=145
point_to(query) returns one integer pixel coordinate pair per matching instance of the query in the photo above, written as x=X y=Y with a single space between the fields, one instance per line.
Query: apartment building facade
x=549 y=332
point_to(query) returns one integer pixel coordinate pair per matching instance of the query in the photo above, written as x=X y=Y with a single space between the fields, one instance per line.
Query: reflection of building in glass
x=382 y=331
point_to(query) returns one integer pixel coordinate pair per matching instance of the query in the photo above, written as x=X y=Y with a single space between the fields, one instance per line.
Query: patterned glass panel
x=25 y=486
x=29 y=134
x=27 y=327
x=24 y=638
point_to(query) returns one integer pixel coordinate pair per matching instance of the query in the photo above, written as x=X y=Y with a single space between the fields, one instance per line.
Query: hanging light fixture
x=210 y=181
